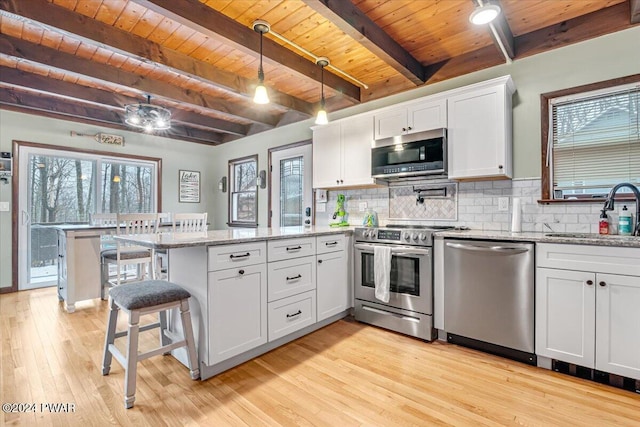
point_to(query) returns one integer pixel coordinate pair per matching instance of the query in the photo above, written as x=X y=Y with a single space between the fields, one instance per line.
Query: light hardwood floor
x=347 y=374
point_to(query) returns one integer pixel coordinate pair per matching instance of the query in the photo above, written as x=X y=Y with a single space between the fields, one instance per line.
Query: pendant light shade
x=484 y=13
x=146 y=116
x=261 y=96
x=321 y=118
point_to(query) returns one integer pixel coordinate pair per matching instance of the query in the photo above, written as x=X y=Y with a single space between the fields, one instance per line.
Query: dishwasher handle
x=495 y=248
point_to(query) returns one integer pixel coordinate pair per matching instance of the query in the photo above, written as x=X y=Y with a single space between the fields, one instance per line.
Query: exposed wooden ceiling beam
x=112 y=99
x=595 y=24
x=634 y=5
x=346 y=16
x=64 y=61
x=61 y=108
x=83 y=27
x=202 y=18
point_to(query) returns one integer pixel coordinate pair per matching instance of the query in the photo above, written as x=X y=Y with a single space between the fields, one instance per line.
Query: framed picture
x=189 y=186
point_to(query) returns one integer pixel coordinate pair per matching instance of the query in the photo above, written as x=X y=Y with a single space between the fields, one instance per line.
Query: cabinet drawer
x=232 y=256
x=291 y=248
x=291 y=314
x=599 y=259
x=331 y=243
x=291 y=277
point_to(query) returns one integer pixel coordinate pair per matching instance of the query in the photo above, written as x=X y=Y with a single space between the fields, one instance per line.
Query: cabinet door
x=390 y=123
x=327 y=156
x=427 y=116
x=83 y=268
x=237 y=301
x=618 y=325
x=565 y=315
x=357 y=138
x=479 y=134
x=332 y=286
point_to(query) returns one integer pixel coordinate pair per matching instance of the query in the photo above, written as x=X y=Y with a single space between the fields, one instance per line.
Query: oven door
x=410 y=287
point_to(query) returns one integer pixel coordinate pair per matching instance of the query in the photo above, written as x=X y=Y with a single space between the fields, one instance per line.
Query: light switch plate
x=4 y=206
x=321 y=196
x=503 y=204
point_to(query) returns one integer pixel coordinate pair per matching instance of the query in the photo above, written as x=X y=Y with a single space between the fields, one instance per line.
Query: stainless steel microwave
x=423 y=154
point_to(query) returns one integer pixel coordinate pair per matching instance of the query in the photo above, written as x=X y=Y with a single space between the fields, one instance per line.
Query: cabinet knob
x=589 y=282
x=337 y=181
x=319 y=261
x=409 y=128
x=341 y=181
x=241 y=272
x=603 y=283
x=500 y=167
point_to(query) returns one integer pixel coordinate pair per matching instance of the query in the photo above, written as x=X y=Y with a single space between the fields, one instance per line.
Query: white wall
x=175 y=155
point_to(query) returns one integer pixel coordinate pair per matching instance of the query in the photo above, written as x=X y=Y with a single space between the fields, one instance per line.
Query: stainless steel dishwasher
x=489 y=296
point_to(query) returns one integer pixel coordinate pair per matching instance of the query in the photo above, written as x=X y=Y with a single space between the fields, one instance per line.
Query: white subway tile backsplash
x=476 y=206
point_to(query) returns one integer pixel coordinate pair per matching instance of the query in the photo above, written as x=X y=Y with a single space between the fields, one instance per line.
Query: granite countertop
x=565 y=238
x=222 y=237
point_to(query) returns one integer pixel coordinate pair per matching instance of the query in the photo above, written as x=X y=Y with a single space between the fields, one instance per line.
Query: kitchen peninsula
x=255 y=289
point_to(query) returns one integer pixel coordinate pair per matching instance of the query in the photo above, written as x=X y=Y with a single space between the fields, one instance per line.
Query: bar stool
x=136 y=299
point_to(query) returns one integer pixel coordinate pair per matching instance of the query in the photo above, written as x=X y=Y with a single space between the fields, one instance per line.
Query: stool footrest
x=161 y=350
x=141 y=329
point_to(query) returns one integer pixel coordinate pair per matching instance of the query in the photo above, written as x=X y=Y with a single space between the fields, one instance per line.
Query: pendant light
x=321 y=118
x=484 y=13
x=261 y=96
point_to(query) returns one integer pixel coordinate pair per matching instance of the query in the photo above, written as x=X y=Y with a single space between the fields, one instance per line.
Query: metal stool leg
x=131 y=359
x=185 y=315
x=110 y=336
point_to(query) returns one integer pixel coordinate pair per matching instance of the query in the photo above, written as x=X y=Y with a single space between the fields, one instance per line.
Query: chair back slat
x=139 y=223
x=189 y=222
x=105 y=219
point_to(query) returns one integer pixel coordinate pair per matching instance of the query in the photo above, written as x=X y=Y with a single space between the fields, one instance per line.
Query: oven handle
x=395 y=250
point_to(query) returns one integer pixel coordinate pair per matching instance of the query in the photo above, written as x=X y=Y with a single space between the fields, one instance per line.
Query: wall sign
x=189 y=187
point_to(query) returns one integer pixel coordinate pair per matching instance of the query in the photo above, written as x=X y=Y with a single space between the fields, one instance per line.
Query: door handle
x=497 y=248
x=294 y=277
x=232 y=256
x=294 y=248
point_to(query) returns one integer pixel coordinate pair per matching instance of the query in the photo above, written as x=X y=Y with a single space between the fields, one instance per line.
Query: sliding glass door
x=66 y=187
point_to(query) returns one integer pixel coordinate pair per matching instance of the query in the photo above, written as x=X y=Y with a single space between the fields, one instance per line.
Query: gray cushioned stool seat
x=147 y=293
x=112 y=254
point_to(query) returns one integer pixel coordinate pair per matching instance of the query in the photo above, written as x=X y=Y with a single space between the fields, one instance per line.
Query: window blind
x=595 y=142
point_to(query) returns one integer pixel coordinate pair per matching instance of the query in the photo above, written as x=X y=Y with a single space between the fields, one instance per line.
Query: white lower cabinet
x=589 y=318
x=332 y=286
x=237 y=306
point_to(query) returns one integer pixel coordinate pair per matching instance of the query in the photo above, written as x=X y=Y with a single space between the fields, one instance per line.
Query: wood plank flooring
x=346 y=374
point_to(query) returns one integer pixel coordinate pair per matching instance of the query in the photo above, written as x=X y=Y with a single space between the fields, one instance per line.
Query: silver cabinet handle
x=497 y=248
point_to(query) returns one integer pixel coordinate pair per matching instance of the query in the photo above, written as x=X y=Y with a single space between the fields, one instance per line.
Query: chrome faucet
x=608 y=204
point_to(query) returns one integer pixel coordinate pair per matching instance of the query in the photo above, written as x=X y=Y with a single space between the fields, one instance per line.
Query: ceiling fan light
x=484 y=14
x=148 y=117
x=261 y=96
x=321 y=118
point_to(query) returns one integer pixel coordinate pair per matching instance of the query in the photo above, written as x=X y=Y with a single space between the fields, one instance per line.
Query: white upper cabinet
x=342 y=153
x=479 y=130
x=412 y=118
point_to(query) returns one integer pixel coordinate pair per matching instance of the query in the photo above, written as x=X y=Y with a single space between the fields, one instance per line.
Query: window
x=243 y=192
x=592 y=140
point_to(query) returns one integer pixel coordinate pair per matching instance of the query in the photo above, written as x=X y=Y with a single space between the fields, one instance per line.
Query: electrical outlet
x=4 y=206
x=362 y=206
x=503 y=203
x=321 y=207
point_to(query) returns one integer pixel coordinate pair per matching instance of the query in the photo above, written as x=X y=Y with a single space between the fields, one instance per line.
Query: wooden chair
x=126 y=255
x=104 y=219
x=189 y=222
x=138 y=299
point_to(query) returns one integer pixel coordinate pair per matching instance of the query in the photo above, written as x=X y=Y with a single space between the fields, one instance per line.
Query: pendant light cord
x=260 y=70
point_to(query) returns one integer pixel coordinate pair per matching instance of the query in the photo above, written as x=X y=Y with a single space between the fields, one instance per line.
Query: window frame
x=231 y=191
x=545 y=98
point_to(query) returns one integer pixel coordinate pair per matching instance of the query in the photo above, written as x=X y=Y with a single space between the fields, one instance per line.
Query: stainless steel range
x=410 y=306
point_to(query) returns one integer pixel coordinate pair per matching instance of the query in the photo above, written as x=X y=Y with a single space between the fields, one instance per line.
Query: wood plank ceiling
x=84 y=60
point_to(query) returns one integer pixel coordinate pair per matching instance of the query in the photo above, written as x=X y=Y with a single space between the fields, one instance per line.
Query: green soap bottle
x=624 y=222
